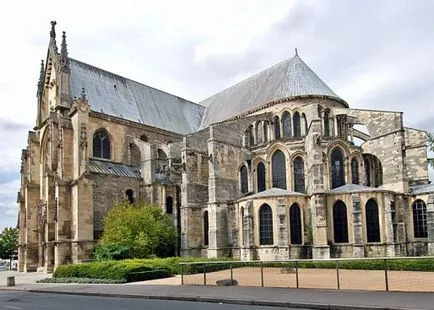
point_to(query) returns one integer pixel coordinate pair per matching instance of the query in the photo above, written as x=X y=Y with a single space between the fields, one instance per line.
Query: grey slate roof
x=112 y=168
x=272 y=192
x=287 y=79
x=422 y=189
x=353 y=188
x=118 y=96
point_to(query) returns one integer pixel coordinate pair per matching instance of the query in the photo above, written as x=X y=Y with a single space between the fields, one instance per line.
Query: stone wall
x=416 y=156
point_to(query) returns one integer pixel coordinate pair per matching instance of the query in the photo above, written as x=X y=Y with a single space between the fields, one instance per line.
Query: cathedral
x=273 y=168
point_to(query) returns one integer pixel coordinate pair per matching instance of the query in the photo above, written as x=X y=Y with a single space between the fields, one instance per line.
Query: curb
x=264 y=303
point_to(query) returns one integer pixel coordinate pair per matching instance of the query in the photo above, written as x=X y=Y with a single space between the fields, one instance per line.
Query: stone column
x=430 y=223
x=358 y=248
x=283 y=231
x=320 y=248
x=388 y=232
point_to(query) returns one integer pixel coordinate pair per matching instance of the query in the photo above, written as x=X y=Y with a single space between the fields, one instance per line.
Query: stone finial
x=41 y=79
x=83 y=94
x=64 y=60
x=53 y=30
x=296 y=52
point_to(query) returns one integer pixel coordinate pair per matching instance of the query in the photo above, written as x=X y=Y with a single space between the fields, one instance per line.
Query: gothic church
x=275 y=167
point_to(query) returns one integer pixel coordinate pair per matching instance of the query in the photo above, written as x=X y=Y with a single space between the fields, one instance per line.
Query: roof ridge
x=134 y=81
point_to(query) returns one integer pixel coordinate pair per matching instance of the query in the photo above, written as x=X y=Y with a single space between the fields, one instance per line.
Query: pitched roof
x=112 y=168
x=353 y=188
x=290 y=78
x=118 y=96
x=422 y=189
x=273 y=192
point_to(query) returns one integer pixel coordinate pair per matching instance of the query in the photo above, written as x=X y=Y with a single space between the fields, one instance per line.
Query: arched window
x=295 y=224
x=299 y=185
x=161 y=160
x=130 y=195
x=326 y=124
x=279 y=169
x=419 y=219
x=297 y=126
x=306 y=129
x=265 y=225
x=144 y=138
x=286 y=124
x=205 y=228
x=355 y=171
x=244 y=179
x=337 y=168
x=101 y=144
x=259 y=133
x=367 y=171
x=378 y=173
x=251 y=135
x=372 y=221
x=169 y=205
x=340 y=222
x=260 y=170
x=276 y=128
x=265 y=131
x=135 y=155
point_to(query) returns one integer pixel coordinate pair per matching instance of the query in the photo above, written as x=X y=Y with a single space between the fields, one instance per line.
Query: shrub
x=143 y=231
x=148 y=275
x=80 y=280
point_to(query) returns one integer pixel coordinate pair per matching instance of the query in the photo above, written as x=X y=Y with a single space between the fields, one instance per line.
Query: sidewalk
x=283 y=297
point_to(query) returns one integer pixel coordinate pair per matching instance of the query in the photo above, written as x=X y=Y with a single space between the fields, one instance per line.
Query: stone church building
x=275 y=167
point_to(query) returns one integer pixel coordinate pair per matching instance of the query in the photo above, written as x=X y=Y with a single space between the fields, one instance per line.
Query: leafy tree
x=136 y=231
x=8 y=242
x=431 y=148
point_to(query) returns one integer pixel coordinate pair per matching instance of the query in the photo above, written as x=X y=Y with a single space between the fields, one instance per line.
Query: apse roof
x=422 y=189
x=112 y=168
x=353 y=188
x=121 y=97
x=273 y=192
x=290 y=78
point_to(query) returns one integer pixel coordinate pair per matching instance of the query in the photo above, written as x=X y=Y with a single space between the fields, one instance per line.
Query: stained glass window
x=355 y=171
x=340 y=222
x=297 y=127
x=286 y=123
x=299 y=185
x=295 y=224
x=337 y=167
x=419 y=219
x=243 y=180
x=101 y=144
x=260 y=170
x=279 y=169
x=265 y=225
x=372 y=221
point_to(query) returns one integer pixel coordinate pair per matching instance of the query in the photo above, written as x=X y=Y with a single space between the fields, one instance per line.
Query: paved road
x=39 y=301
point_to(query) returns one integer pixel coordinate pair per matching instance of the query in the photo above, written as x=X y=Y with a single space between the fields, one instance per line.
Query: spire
x=41 y=79
x=64 y=60
x=296 y=52
x=53 y=35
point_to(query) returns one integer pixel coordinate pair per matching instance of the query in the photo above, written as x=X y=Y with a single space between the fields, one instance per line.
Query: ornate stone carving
x=83 y=135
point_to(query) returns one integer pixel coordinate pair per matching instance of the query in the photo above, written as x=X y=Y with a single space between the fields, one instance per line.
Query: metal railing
x=386 y=273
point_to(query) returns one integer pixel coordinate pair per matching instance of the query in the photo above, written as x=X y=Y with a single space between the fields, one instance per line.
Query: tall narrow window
x=297 y=126
x=169 y=205
x=295 y=224
x=130 y=195
x=372 y=221
x=244 y=180
x=205 y=228
x=367 y=171
x=279 y=169
x=259 y=133
x=260 y=170
x=101 y=144
x=355 y=171
x=251 y=135
x=265 y=131
x=299 y=185
x=265 y=225
x=340 y=222
x=337 y=168
x=286 y=123
x=378 y=173
x=419 y=219
x=276 y=128
x=326 y=124
x=306 y=129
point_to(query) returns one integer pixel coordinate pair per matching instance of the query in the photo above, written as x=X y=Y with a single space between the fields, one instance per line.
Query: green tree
x=136 y=231
x=8 y=242
x=431 y=148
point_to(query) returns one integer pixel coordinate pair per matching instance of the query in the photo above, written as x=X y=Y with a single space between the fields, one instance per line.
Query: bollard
x=10 y=281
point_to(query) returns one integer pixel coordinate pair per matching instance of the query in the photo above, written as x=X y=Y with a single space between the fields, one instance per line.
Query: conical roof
x=290 y=78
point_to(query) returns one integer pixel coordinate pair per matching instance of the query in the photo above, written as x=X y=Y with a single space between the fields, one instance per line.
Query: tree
x=137 y=231
x=8 y=242
x=431 y=148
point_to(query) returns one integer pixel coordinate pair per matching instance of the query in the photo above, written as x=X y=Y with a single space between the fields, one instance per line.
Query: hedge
x=80 y=280
x=148 y=275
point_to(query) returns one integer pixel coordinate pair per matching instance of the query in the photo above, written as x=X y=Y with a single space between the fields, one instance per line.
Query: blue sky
x=374 y=54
